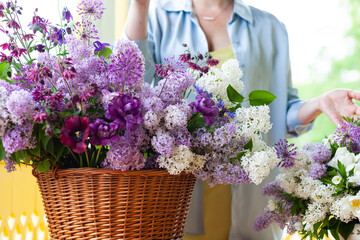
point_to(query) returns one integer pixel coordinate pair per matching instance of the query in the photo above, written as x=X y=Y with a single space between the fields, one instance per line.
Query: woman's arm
x=334 y=104
x=136 y=22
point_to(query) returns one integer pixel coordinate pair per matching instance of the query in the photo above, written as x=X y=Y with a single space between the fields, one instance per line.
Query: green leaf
x=50 y=147
x=341 y=170
x=249 y=145
x=2 y=151
x=43 y=166
x=105 y=52
x=45 y=140
x=4 y=68
x=261 y=97
x=35 y=151
x=233 y=95
x=196 y=122
x=345 y=229
x=335 y=234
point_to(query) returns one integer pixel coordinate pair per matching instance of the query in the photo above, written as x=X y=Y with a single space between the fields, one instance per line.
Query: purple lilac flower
x=98 y=46
x=318 y=170
x=319 y=153
x=19 y=138
x=151 y=162
x=286 y=153
x=138 y=138
x=78 y=50
x=75 y=133
x=272 y=189
x=348 y=134
x=103 y=133
x=182 y=136
x=10 y=164
x=152 y=103
x=127 y=64
x=263 y=221
x=123 y=156
x=21 y=105
x=125 y=111
x=66 y=14
x=207 y=107
x=91 y=9
x=163 y=143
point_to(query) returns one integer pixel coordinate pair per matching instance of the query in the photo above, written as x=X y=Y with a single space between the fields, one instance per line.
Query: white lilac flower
x=342 y=210
x=323 y=194
x=175 y=117
x=253 y=119
x=4 y=114
x=216 y=81
x=259 y=164
x=151 y=120
x=179 y=161
x=306 y=187
x=315 y=212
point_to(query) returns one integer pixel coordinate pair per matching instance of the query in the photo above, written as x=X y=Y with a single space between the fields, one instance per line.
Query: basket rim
x=105 y=171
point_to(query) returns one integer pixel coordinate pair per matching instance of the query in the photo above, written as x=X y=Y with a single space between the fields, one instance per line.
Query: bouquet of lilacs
x=317 y=191
x=80 y=103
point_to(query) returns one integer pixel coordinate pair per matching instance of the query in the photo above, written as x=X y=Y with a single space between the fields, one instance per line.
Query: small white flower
x=328 y=141
x=343 y=156
x=309 y=227
x=272 y=206
x=298 y=226
x=354 y=203
x=336 y=180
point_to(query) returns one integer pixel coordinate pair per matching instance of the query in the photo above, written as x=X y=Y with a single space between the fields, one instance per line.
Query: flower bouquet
x=75 y=107
x=317 y=191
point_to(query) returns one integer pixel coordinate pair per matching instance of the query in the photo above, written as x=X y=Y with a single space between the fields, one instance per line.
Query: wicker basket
x=89 y=203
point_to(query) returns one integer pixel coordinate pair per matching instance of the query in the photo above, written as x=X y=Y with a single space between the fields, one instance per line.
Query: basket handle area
x=54 y=174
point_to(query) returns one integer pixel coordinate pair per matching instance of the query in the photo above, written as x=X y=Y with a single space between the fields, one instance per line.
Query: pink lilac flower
x=103 y=133
x=263 y=221
x=123 y=156
x=319 y=153
x=75 y=133
x=19 y=138
x=127 y=64
x=91 y=9
x=286 y=153
x=206 y=106
x=39 y=117
x=318 y=170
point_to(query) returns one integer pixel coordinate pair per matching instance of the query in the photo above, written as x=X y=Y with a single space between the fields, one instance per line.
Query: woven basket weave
x=89 y=203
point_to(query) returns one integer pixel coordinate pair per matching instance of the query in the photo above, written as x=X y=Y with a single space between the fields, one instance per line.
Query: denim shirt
x=260 y=44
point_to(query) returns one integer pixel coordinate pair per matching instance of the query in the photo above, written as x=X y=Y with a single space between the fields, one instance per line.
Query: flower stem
x=98 y=154
x=87 y=157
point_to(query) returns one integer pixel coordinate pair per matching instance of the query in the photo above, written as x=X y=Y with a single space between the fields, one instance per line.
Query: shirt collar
x=240 y=8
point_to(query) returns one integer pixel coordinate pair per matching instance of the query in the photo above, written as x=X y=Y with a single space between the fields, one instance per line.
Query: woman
x=260 y=44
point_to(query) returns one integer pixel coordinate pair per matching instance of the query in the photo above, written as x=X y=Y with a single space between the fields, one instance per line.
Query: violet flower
x=98 y=46
x=66 y=14
x=206 y=106
x=125 y=111
x=75 y=132
x=286 y=153
x=103 y=133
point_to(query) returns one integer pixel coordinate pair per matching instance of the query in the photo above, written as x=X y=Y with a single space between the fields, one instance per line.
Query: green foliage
x=233 y=95
x=261 y=97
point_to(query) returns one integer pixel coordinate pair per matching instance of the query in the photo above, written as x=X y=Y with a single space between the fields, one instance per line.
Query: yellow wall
x=21 y=208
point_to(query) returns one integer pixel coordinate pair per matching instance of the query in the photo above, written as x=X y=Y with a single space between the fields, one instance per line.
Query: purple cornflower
x=348 y=135
x=91 y=9
x=98 y=46
x=318 y=170
x=286 y=153
x=206 y=106
x=103 y=133
x=319 y=153
x=125 y=111
x=127 y=64
x=66 y=14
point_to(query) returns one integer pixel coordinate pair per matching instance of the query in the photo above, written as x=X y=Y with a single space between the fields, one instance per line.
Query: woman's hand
x=136 y=22
x=335 y=104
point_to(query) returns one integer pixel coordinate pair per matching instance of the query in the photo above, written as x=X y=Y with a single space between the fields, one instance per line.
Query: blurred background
x=324 y=41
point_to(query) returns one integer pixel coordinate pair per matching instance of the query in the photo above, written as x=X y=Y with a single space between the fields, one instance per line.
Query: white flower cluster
x=258 y=164
x=315 y=212
x=217 y=80
x=182 y=159
x=175 y=117
x=253 y=120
